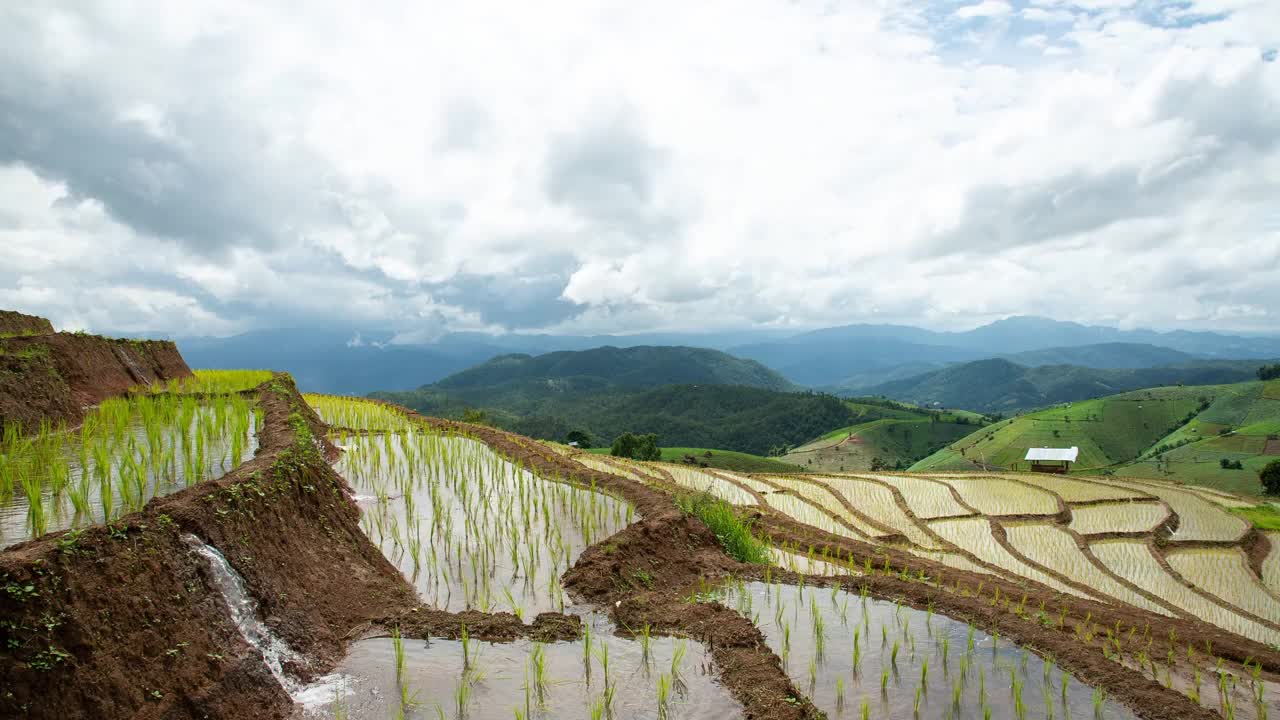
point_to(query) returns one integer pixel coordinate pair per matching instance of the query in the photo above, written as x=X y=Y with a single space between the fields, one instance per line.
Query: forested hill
x=729 y=417
x=632 y=367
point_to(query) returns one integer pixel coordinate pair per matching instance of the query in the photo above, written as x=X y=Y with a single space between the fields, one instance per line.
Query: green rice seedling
x=840 y=692
x=397 y=645
x=866 y=710
x=644 y=644
x=603 y=654
x=466 y=647
x=884 y=680
x=677 y=660
x=915 y=705
x=893 y=655
x=664 y=694
x=538 y=660
x=857 y=650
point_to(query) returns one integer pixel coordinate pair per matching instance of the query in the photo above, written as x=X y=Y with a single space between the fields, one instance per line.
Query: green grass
x=721 y=459
x=733 y=533
x=213 y=382
x=892 y=440
x=1173 y=433
x=1263 y=517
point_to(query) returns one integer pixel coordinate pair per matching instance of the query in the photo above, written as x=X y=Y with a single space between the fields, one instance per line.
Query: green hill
x=752 y=420
x=999 y=385
x=894 y=434
x=1175 y=433
x=632 y=367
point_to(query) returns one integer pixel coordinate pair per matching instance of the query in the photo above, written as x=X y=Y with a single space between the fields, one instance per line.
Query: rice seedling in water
x=128 y=449
x=664 y=694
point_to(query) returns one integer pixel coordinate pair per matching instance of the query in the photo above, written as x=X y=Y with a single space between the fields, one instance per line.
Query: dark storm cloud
x=608 y=173
x=169 y=157
x=524 y=299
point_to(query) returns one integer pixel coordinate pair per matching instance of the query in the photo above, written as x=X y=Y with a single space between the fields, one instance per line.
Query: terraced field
x=1087 y=538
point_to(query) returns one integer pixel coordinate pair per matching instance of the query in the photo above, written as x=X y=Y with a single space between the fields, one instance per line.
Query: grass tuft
x=734 y=533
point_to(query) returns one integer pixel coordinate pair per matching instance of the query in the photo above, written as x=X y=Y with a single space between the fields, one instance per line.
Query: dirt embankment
x=54 y=377
x=125 y=621
x=16 y=323
x=645 y=573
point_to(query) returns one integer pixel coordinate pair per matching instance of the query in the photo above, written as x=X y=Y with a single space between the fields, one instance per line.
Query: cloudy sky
x=211 y=167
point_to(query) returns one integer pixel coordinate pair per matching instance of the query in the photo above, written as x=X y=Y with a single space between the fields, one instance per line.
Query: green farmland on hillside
x=720 y=459
x=895 y=434
x=1176 y=433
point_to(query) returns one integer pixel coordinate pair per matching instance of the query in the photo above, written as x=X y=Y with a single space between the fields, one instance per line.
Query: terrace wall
x=124 y=621
x=54 y=377
x=16 y=323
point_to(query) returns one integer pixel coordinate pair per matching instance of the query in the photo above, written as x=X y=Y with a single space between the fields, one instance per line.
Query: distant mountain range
x=999 y=385
x=847 y=359
x=856 y=357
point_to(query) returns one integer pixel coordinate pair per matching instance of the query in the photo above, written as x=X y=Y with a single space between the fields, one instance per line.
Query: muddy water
x=104 y=501
x=502 y=681
x=967 y=674
x=468 y=529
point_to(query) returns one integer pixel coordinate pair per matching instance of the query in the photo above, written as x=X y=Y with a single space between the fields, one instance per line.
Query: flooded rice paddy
x=858 y=657
x=599 y=676
x=469 y=529
x=128 y=451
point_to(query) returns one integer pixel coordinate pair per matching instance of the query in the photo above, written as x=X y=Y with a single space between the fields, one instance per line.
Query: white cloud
x=985 y=9
x=610 y=167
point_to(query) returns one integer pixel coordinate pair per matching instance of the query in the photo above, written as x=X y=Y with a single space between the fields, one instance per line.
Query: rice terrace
x=216 y=544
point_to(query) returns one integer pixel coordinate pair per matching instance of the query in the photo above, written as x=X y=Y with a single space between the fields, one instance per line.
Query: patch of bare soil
x=16 y=323
x=644 y=575
x=54 y=377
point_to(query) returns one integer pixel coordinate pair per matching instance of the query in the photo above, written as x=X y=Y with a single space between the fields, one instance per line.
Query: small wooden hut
x=1052 y=460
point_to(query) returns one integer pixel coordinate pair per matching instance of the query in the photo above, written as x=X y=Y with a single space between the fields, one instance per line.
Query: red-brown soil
x=645 y=573
x=54 y=377
x=16 y=323
x=121 y=621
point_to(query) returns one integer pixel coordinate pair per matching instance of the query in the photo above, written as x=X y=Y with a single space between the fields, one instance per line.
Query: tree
x=624 y=445
x=1269 y=372
x=1270 y=477
x=580 y=437
x=476 y=416
x=636 y=447
x=647 y=449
